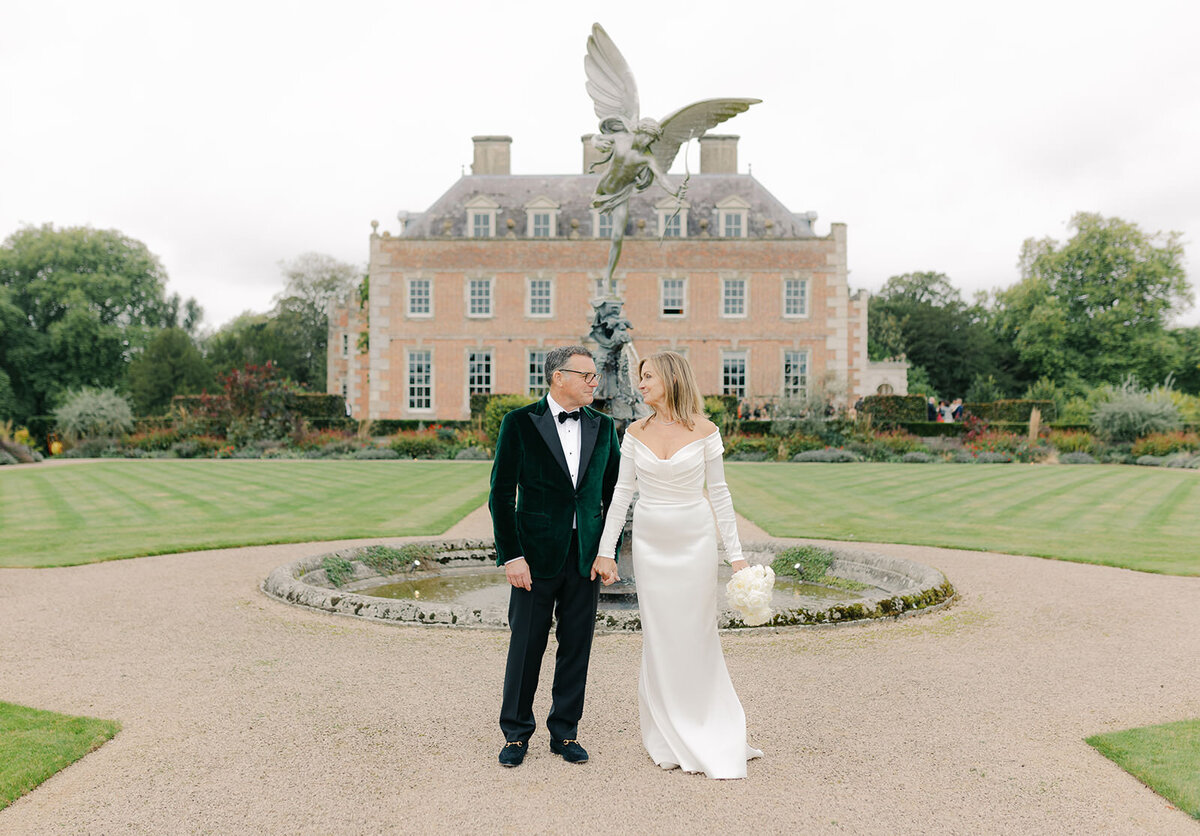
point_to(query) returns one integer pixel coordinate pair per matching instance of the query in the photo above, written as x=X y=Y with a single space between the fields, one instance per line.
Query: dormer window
x=541 y=215
x=672 y=218
x=601 y=224
x=481 y=217
x=732 y=217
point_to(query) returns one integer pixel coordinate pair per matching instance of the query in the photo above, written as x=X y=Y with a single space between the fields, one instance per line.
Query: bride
x=690 y=716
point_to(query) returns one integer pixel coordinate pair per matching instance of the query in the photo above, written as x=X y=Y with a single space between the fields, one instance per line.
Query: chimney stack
x=590 y=154
x=492 y=155
x=718 y=154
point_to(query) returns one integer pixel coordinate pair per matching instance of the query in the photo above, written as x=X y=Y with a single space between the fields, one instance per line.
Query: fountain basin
x=468 y=590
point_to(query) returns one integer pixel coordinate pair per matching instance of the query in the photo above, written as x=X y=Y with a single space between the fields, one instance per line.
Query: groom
x=553 y=477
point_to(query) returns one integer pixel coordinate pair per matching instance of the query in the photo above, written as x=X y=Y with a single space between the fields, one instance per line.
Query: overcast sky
x=231 y=135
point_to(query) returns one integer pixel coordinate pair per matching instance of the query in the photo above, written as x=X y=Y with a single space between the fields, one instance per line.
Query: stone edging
x=911 y=587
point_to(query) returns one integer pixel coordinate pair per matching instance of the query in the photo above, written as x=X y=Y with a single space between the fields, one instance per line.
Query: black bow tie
x=564 y=416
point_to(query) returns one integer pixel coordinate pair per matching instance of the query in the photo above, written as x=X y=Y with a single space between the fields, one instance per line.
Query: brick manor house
x=470 y=294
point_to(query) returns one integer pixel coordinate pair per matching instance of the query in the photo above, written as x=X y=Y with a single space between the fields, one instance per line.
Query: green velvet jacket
x=532 y=498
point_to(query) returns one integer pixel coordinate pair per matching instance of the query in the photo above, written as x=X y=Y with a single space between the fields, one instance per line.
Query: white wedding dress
x=690 y=716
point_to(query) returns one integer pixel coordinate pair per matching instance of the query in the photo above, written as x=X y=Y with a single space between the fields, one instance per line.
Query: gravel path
x=244 y=715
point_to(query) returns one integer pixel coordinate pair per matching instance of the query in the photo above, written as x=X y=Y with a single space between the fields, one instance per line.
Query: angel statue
x=638 y=151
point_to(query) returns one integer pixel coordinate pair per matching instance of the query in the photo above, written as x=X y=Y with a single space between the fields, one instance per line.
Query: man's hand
x=606 y=569
x=517 y=572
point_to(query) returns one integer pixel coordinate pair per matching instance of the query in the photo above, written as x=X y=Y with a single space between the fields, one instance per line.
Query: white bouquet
x=749 y=592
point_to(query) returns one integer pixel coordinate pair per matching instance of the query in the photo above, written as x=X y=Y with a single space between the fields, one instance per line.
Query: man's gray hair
x=556 y=358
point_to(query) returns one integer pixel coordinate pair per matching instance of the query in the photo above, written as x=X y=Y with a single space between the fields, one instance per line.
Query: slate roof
x=573 y=194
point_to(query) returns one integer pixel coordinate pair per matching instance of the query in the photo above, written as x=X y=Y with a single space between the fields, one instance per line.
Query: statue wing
x=610 y=82
x=691 y=122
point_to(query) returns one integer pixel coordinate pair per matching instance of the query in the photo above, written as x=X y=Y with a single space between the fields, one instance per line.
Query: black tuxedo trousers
x=573 y=600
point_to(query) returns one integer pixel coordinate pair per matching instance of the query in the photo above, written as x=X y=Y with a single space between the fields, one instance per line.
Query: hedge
x=1016 y=410
x=391 y=426
x=889 y=410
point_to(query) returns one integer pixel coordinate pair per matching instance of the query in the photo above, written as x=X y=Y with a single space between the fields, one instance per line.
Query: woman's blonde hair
x=679 y=386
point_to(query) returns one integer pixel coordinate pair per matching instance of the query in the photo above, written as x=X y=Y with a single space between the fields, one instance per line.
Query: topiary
x=497 y=408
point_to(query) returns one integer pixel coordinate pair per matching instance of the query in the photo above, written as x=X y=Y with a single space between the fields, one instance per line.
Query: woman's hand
x=739 y=565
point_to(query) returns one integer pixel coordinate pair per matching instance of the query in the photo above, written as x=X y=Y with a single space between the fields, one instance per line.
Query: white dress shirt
x=571 y=439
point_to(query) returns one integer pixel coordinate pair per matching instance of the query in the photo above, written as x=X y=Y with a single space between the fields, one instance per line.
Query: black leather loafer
x=570 y=750
x=513 y=753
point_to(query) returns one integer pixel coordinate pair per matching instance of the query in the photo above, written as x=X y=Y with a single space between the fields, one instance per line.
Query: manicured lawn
x=36 y=744
x=1135 y=517
x=1165 y=758
x=70 y=514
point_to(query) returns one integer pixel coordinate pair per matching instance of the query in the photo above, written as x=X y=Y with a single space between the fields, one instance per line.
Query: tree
x=923 y=316
x=1187 y=371
x=314 y=281
x=171 y=365
x=76 y=305
x=1096 y=307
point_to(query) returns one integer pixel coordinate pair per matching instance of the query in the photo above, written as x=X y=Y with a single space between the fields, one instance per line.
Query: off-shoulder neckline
x=677 y=452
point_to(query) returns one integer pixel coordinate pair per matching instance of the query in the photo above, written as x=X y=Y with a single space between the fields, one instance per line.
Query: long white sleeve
x=719 y=496
x=622 y=496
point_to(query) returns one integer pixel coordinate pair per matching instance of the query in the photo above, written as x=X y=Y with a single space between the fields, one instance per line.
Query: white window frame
x=731 y=207
x=805 y=355
x=481 y=205
x=666 y=208
x=806 y=286
x=597 y=218
x=408 y=297
x=490 y=359
x=744 y=356
x=529 y=311
x=662 y=297
x=726 y=283
x=468 y=297
x=409 y=355
x=535 y=371
x=541 y=205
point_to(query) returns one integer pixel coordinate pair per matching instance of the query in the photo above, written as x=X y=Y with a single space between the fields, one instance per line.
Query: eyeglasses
x=588 y=377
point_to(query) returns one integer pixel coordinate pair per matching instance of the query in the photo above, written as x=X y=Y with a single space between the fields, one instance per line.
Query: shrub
x=376 y=453
x=1179 y=460
x=93 y=413
x=472 y=454
x=890 y=410
x=1077 y=457
x=829 y=454
x=809 y=563
x=497 y=408
x=1163 y=444
x=419 y=445
x=872 y=451
x=989 y=457
x=961 y=457
x=748 y=456
x=1149 y=461
x=5 y=458
x=739 y=445
x=899 y=441
x=199 y=446
x=917 y=457
x=155 y=439
x=1132 y=413
x=1014 y=410
x=992 y=442
x=800 y=442
x=1073 y=442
